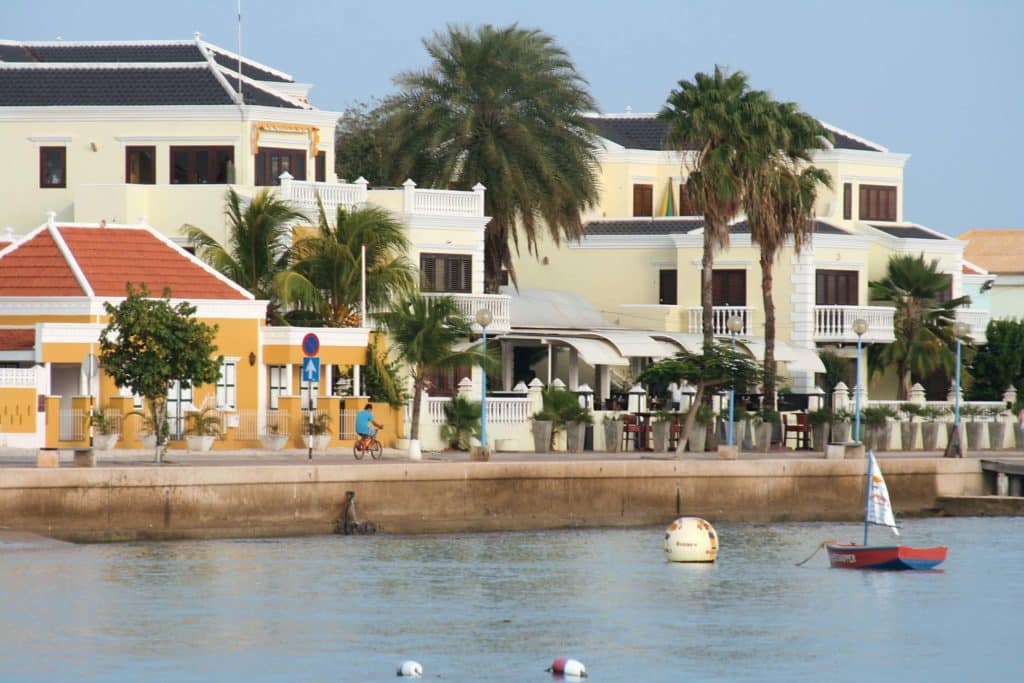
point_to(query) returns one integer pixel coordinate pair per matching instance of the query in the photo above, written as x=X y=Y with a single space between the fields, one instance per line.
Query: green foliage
x=102 y=422
x=933 y=413
x=835 y=372
x=719 y=365
x=360 y=143
x=381 y=376
x=255 y=254
x=320 y=424
x=922 y=324
x=462 y=422
x=150 y=422
x=504 y=107
x=840 y=416
x=562 y=406
x=912 y=410
x=972 y=413
x=767 y=415
x=205 y=422
x=874 y=416
x=822 y=416
x=705 y=415
x=999 y=363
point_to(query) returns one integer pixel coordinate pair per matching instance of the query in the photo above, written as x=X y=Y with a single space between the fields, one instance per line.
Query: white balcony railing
x=978 y=319
x=302 y=194
x=719 y=319
x=835 y=323
x=468 y=304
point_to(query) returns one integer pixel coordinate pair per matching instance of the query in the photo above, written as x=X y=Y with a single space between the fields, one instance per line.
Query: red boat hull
x=891 y=557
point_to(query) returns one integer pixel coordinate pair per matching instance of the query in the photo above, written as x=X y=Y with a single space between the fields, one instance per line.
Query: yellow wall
x=17 y=409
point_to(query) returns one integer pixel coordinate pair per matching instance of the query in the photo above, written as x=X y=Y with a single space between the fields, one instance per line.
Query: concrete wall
x=120 y=503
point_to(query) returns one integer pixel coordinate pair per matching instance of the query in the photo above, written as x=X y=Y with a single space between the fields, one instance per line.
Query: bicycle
x=367 y=444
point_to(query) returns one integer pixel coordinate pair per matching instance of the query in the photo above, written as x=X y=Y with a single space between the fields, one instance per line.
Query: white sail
x=879 y=508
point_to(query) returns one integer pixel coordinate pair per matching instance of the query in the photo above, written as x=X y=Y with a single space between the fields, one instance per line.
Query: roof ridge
x=852 y=136
x=93 y=43
x=260 y=85
x=70 y=259
x=250 y=62
x=236 y=97
x=99 y=66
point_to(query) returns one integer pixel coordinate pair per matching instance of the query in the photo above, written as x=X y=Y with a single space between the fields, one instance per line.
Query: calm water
x=500 y=607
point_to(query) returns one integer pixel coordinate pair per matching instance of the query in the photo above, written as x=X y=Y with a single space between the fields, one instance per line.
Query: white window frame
x=279 y=389
x=227 y=384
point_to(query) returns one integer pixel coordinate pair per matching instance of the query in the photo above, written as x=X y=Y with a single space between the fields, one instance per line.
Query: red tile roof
x=108 y=257
x=17 y=340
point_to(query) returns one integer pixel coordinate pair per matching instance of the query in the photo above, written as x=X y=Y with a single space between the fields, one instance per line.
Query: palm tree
x=779 y=202
x=503 y=107
x=327 y=272
x=257 y=251
x=717 y=119
x=922 y=324
x=424 y=332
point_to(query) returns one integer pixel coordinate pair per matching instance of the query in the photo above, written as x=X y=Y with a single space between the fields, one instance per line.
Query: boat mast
x=867 y=494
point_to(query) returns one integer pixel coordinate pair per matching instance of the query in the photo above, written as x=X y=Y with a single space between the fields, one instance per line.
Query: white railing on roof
x=302 y=194
x=499 y=306
x=447 y=203
x=17 y=377
x=977 y=318
x=719 y=319
x=835 y=323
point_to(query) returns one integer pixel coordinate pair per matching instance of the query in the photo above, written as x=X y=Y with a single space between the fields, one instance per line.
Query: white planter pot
x=274 y=442
x=698 y=438
x=317 y=442
x=930 y=436
x=104 y=442
x=199 y=444
x=148 y=441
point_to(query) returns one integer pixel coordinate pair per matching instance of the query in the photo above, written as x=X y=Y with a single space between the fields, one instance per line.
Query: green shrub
x=462 y=423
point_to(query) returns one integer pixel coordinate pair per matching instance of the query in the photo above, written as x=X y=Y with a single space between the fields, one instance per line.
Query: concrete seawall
x=123 y=503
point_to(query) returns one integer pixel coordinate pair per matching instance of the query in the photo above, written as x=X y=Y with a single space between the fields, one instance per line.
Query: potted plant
x=698 y=435
x=973 y=427
x=575 y=417
x=764 y=422
x=661 y=423
x=819 y=420
x=542 y=425
x=841 y=426
x=275 y=438
x=909 y=428
x=149 y=435
x=877 y=427
x=318 y=431
x=613 y=426
x=996 y=428
x=462 y=423
x=104 y=425
x=202 y=427
x=931 y=425
x=740 y=418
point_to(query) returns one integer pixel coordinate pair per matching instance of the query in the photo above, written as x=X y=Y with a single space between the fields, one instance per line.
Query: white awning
x=592 y=351
x=795 y=357
x=636 y=343
x=694 y=343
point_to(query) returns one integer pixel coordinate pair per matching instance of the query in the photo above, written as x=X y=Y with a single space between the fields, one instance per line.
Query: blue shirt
x=363 y=419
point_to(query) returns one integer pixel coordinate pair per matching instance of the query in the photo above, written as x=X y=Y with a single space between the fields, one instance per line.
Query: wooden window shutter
x=428 y=272
x=467 y=274
x=847 y=201
x=643 y=200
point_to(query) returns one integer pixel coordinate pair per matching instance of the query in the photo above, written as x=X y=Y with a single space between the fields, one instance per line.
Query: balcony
x=302 y=194
x=468 y=304
x=719 y=319
x=978 y=319
x=835 y=324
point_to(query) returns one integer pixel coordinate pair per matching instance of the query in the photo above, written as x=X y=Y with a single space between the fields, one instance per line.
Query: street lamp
x=734 y=325
x=483 y=318
x=960 y=330
x=860 y=326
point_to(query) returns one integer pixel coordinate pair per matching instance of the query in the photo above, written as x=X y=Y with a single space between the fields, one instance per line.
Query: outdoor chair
x=801 y=429
x=631 y=431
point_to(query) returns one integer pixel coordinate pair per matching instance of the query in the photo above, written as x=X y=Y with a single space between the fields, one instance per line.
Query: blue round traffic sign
x=310 y=344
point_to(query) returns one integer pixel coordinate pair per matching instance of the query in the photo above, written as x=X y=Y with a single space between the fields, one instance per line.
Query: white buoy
x=691 y=539
x=410 y=668
x=564 y=666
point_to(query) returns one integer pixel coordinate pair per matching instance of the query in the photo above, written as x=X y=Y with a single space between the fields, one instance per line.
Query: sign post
x=311 y=373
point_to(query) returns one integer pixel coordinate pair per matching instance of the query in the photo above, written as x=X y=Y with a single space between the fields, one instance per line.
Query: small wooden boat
x=878 y=510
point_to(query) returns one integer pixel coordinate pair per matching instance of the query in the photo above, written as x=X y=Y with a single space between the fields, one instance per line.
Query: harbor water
x=502 y=606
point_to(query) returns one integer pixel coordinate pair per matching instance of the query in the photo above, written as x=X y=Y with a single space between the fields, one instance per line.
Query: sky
x=940 y=80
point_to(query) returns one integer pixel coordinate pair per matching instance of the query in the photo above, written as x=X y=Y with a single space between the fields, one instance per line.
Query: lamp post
x=961 y=330
x=734 y=324
x=483 y=318
x=860 y=326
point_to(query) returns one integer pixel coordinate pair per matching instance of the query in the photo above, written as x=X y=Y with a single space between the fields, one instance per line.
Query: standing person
x=366 y=426
x=677 y=395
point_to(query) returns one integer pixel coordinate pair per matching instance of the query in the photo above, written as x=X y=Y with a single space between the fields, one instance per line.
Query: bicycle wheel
x=358 y=451
x=376 y=450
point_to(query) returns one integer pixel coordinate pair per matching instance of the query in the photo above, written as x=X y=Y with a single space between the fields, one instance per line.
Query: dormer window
x=878 y=202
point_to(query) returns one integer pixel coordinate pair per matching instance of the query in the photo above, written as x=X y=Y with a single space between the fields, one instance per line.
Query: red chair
x=801 y=430
x=631 y=431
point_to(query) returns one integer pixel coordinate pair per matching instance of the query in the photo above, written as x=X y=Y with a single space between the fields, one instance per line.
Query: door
x=729 y=288
x=179 y=402
x=667 y=287
x=835 y=287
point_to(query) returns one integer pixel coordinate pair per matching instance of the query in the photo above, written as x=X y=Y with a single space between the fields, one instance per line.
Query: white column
x=507 y=361
x=604 y=383
x=801 y=311
x=356 y=386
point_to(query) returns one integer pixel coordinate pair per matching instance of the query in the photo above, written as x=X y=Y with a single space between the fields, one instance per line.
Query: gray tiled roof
x=647 y=132
x=908 y=232
x=679 y=226
x=77 y=86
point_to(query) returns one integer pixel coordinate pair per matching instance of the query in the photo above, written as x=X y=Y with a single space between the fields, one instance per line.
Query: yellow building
x=639 y=262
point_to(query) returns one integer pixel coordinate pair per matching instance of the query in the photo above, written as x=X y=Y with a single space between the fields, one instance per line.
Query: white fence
x=248 y=429
x=17 y=377
x=835 y=323
x=448 y=202
x=72 y=424
x=508 y=410
x=720 y=318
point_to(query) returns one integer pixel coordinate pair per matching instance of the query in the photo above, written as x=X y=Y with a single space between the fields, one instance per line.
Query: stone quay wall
x=149 y=502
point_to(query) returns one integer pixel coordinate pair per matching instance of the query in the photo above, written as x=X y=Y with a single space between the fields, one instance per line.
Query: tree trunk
x=901 y=385
x=160 y=417
x=769 y=328
x=417 y=401
x=691 y=416
x=707 y=263
x=496 y=253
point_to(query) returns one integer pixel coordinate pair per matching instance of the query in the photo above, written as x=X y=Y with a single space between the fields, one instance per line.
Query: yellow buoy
x=691 y=539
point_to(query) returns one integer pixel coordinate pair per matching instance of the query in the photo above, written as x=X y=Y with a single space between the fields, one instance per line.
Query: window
x=140 y=165
x=847 y=201
x=685 y=205
x=53 y=167
x=321 y=167
x=202 y=165
x=729 y=288
x=277 y=383
x=835 y=287
x=272 y=162
x=445 y=382
x=446 y=273
x=227 y=384
x=877 y=203
x=667 y=287
x=947 y=293
x=643 y=200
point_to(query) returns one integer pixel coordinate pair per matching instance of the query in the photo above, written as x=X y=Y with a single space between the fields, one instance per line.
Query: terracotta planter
x=541 y=435
x=613 y=435
x=659 y=436
x=104 y=442
x=819 y=436
x=697 y=439
x=274 y=442
x=574 y=436
x=841 y=432
x=930 y=436
x=908 y=435
x=996 y=434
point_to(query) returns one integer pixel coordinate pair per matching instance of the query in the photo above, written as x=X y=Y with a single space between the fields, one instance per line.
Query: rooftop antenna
x=241 y=98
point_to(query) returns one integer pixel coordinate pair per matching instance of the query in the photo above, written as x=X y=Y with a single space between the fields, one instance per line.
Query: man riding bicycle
x=365 y=426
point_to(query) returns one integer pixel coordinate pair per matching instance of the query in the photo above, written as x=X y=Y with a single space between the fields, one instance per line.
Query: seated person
x=365 y=424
